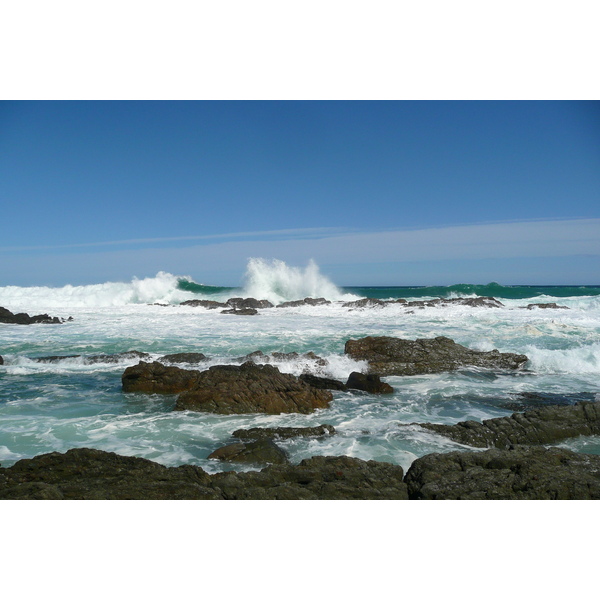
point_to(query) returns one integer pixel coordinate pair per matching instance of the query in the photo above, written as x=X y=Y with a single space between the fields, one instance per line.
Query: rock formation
x=283 y=433
x=262 y=451
x=6 y=316
x=395 y=356
x=370 y=383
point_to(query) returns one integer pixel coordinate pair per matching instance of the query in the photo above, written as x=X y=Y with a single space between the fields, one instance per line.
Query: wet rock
x=97 y=358
x=283 y=433
x=210 y=304
x=519 y=473
x=365 y=303
x=480 y=301
x=305 y=302
x=545 y=425
x=1 y=361
x=262 y=451
x=317 y=478
x=396 y=356
x=241 y=303
x=251 y=388
x=156 y=378
x=184 y=357
x=239 y=311
x=370 y=383
x=323 y=383
x=546 y=305
x=6 y=316
x=86 y=474
x=289 y=356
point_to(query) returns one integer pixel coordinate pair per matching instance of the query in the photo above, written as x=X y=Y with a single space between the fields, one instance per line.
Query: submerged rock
x=251 y=388
x=97 y=358
x=519 y=473
x=323 y=383
x=6 y=316
x=262 y=451
x=283 y=433
x=546 y=425
x=156 y=378
x=239 y=311
x=546 y=305
x=368 y=383
x=396 y=356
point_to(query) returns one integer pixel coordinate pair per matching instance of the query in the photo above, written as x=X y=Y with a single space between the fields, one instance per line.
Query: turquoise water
x=56 y=406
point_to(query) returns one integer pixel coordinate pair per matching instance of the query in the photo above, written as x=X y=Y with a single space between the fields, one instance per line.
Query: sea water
x=47 y=407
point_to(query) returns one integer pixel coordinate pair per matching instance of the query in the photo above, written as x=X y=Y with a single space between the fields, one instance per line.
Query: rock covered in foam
x=396 y=356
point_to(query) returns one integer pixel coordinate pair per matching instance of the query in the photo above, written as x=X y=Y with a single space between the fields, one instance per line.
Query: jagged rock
x=262 y=451
x=368 y=383
x=546 y=305
x=89 y=474
x=251 y=388
x=305 y=302
x=96 y=475
x=210 y=304
x=156 y=378
x=184 y=357
x=1 y=361
x=323 y=383
x=546 y=425
x=240 y=303
x=98 y=358
x=395 y=356
x=288 y=356
x=6 y=316
x=283 y=433
x=239 y=311
x=520 y=473
x=365 y=303
x=485 y=301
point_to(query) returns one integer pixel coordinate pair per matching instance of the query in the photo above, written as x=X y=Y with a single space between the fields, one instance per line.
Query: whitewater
x=55 y=406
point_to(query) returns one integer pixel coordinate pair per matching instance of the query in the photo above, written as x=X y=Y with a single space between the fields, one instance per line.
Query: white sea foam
x=580 y=360
x=276 y=281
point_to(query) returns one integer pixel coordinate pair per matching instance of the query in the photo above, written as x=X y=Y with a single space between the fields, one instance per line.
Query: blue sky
x=377 y=193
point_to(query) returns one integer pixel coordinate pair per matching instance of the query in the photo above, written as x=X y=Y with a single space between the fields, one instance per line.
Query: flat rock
x=251 y=388
x=97 y=358
x=210 y=304
x=396 y=356
x=546 y=425
x=239 y=311
x=283 y=433
x=519 y=473
x=304 y=302
x=184 y=357
x=156 y=378
x=370 y=383
x=546 y=305
x=262 y=451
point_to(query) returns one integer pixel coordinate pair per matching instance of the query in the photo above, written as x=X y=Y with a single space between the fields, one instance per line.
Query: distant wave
x=515 y=292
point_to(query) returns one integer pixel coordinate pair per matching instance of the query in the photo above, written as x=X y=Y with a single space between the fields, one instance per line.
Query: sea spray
x=276 y=281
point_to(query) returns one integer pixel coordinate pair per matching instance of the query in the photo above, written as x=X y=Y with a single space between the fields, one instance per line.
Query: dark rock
x=323 y=383
x=368 y=383
x=184 y=357
x=6 y=316
x=289 y=356
x=98 y=358
x=240 y=303
x=262 y=451
x=283 y=433
x=395 y=356
x=1 y=361
x=210 y=304
x=480 y=301
x=86 y=474
x=546 y=305
x=545 y=425
x=256 y=356
x=520 y=473
x=305 y=302
x=364 y=303
x=239 y=311
x=317 y=478
x=95 y=475
x=251 y=388
x=156 y=378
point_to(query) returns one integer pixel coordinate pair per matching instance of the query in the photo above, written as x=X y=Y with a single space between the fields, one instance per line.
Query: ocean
x=75 y=402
